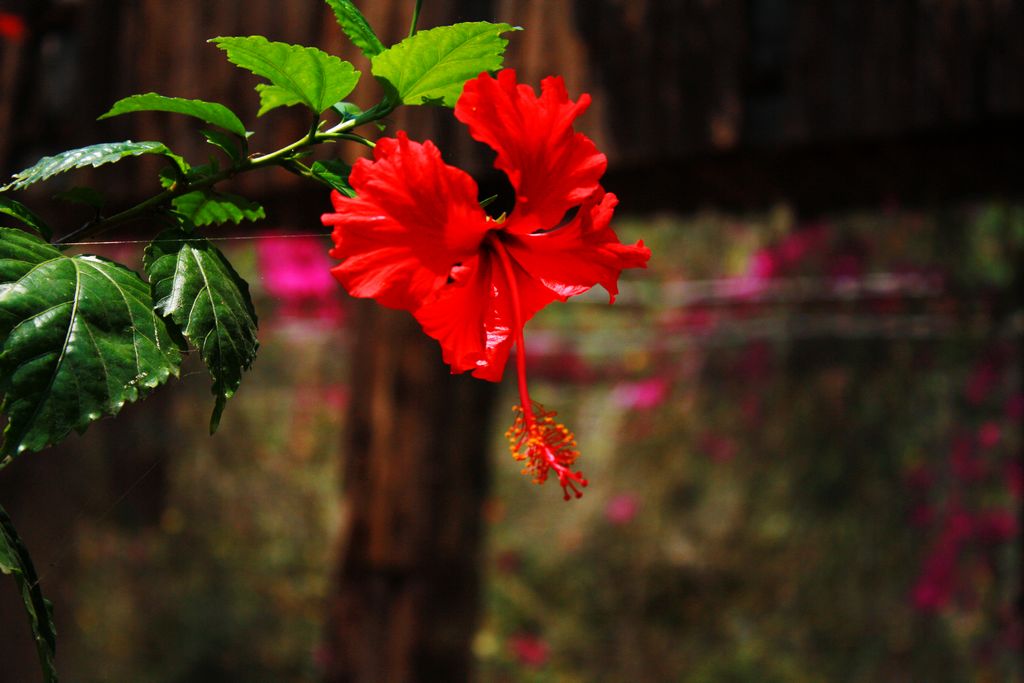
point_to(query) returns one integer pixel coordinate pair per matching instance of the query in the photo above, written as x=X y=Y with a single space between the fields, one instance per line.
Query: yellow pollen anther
x=544 y=445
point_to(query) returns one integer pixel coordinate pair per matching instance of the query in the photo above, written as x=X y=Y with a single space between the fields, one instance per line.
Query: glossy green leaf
x=25 y=215
x=78 y=340
x=211 y=112
x=206 y=207
x=93 y=155
x=431 y=66
x=355 y=26
x=15 y=560
x=297 y=74
x=334 y=173
x=196 y=287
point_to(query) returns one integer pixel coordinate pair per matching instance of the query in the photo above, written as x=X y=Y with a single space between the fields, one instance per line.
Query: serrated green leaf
x=15 y=560
x=211 y=112
x=18 y=210
x=355 y=26
x=431 y=66
x=334 y=173
x=78 y=340
x=225 y=142
x=196 y=287
x=206 y=207
x=93 y=155
x=82 y=195
x=297 y=74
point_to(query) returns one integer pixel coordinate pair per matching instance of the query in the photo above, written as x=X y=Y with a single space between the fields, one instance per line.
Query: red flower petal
x=414 y=218
x=472 y=317
x=552 y=167
x=573 y=258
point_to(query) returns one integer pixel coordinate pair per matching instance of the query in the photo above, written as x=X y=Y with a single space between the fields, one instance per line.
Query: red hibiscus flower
x=416 y=238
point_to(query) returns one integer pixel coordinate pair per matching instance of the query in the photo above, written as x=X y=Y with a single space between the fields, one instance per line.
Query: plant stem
x=275 y=158
x=415 y=17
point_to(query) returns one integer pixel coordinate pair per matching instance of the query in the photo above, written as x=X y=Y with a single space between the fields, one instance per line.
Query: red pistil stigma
x=544 y=445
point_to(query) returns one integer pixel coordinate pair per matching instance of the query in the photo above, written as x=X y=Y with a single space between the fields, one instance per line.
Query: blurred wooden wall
x=679 y=86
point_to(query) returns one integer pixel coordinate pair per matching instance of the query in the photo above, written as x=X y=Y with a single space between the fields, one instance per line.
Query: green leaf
x=196 y=287
x=431 y=66
x=211 y=112
x=355 y=26
x=18 y=210
x=347 y=111
x=206 y=207
x=78 y=340
x=222 y=140
x=15 y=560
x=297 y=74
x=93 y=155
x=334 y=173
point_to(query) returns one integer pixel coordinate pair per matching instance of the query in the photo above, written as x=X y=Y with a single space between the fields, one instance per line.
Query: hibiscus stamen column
x=535 y=438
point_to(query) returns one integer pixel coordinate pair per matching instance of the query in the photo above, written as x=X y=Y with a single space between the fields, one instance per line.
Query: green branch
x=280 y=157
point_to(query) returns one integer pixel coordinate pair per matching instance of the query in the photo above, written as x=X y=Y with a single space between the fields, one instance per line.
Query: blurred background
x=801 y=425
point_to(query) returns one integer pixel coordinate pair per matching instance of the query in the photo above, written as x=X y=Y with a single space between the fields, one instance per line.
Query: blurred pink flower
x=296 y=271
x=959 y=525
x=529 y=649
x=646 y=393
x=929 y=595
x=764 y=264
x=800 y=244
x=995 y=526
x=934 y=587
x=989 y=434
x=621 y=509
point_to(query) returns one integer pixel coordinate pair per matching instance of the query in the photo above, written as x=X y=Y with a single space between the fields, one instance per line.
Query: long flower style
x=416 y=238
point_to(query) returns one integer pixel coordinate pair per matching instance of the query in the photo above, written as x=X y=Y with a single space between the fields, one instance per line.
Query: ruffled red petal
x=413 y=219
x=585 y=252
x=473 y=319
x=552 y=167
